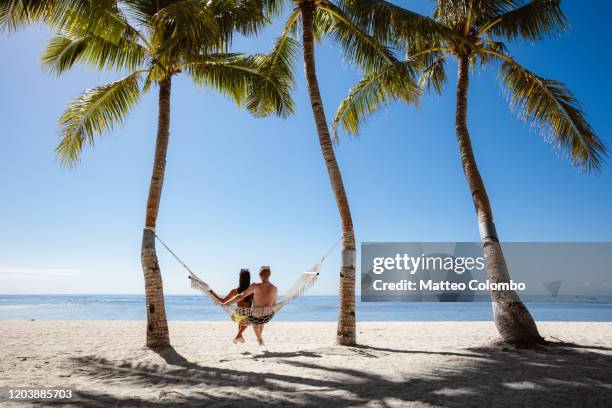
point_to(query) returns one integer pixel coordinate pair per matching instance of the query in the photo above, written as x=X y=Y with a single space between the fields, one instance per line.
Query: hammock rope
x=255 y=315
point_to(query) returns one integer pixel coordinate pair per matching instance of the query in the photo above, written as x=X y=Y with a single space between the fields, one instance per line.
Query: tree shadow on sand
x=557 y=376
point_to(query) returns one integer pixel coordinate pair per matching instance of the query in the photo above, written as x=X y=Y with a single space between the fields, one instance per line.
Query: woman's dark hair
x=245 y=280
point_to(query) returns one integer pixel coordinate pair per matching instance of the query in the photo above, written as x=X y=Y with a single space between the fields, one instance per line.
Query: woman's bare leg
x=239 y=338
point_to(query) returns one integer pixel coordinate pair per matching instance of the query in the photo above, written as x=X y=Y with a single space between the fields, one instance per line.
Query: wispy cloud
x=25 y=272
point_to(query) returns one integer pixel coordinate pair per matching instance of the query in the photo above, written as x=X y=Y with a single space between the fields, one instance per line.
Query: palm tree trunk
x=346 y=317
x=157 y=325
x=512 y=319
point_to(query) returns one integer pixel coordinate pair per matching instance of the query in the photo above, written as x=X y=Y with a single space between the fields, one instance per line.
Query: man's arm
x=238 y=298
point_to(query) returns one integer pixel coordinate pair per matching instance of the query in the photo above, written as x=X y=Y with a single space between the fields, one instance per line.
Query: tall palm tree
x=152 y=41
x=472 y=32
x=317 y=19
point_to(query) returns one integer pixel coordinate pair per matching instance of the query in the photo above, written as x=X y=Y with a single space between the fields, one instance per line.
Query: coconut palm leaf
x=273 y=8
x=394 y=24
x=185 y=23
x=246 y=17
x=459 y=14
x=98 y=33
x=101 y=17
x=270 y=90
x=278 y=64
x=143 y=10
x=484 y=58
x=434 y=73
x=394 y=82
x=277 y=70
x=292 y=25
x=254 y=82
x=283 y=53
x=18 y=13
x=243 y=16
x=359 y=47
x=553 y=108
x=530 y=21
x=94 y=112
x=64 y=50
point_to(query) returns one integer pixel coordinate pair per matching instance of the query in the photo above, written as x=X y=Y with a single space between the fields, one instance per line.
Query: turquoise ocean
x=306 y=308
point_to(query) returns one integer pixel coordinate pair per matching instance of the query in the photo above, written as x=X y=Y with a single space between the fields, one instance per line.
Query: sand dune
x=399 y=364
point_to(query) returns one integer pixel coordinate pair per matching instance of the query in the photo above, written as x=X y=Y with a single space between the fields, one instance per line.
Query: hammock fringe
x=199 y=284
x=306 y=280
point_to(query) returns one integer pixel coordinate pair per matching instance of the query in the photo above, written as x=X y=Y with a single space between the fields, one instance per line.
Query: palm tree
x=152 y=41
x=320 y=18
x=473 y=31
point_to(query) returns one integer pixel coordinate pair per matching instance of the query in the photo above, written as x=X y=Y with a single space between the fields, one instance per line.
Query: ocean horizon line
x=307 y=308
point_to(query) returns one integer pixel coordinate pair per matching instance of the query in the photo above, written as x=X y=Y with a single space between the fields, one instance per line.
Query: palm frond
x=498 y=47
x=249 y=81
x=277 y=67
x=101 y=17
x=357 y=45
x=433 y=74
x=291 y=24
x=61 y=53
x=550 y=106
x=273 y=8
x=143 y=10
x=394 y=24
x=18 y=13
x=155 y=74
x=64 y=50
x=322 y=25
x=463 y=15
x=246 y=17
x=390 y=83
x=96 y=111
x=270 y=92
x=531 y=21
x=183 y=26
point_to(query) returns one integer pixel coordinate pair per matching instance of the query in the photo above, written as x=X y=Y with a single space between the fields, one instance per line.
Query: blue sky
x=241 y=192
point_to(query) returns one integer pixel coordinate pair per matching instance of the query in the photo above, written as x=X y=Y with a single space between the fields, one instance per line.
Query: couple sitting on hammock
x=253 y=300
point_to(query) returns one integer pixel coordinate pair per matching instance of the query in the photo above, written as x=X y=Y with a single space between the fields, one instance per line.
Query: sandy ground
x=444 y=364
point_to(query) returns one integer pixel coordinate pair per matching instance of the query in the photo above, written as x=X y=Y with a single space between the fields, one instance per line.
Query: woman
x=243 y=284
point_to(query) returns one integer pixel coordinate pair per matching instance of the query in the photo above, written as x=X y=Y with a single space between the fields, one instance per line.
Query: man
x=264 y=296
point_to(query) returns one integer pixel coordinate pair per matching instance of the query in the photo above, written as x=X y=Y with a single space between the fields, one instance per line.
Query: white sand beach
x=442 y=364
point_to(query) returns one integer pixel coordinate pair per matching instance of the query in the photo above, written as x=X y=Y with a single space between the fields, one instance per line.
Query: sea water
x=306 y=308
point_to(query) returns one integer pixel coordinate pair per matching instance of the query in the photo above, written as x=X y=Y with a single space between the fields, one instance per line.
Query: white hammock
x=257 y=315
x=261 y=315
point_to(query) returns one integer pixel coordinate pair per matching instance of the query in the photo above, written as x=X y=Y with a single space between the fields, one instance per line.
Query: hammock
x=256 y=315
x=261 y=315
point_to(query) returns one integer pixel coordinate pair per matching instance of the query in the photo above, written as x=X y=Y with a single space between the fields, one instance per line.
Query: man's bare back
x=264 y=294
